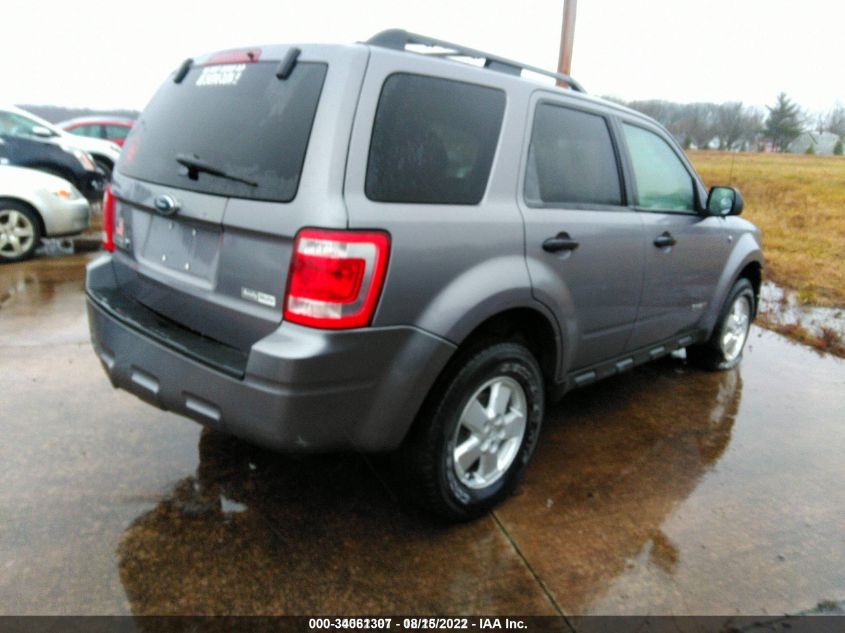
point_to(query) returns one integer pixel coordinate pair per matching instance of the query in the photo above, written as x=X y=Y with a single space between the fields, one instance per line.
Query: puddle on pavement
x=783 y=307
x=665 y=490
x=41 y=301
x=676 y=491
x=311 y=535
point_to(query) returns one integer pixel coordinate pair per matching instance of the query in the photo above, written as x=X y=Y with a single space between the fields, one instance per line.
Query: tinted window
x=238 y=118
x=662 y=180
x=117 y=131
x=433 y=140
x=571 y=159
x=87 y=130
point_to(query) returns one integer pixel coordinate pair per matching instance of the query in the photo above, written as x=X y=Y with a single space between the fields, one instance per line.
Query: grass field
x=798 y=202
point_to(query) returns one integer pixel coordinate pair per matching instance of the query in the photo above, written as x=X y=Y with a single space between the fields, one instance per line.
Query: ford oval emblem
x=166 y=205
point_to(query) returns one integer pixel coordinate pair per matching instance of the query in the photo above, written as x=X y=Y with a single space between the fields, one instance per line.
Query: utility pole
x=567 y=35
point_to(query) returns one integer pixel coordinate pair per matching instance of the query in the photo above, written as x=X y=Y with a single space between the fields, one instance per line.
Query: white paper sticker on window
x=224 y=75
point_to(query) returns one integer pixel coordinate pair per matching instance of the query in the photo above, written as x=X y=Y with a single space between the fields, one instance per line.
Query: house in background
x=821 y=142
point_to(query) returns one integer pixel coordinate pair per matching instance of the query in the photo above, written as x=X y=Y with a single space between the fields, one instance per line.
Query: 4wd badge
x=259 y=297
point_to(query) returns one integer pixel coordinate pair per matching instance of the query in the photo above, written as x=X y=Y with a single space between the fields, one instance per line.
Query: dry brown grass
x=798 y=202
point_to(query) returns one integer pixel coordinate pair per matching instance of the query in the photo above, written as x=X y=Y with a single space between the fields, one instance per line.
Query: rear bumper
x=302 y=390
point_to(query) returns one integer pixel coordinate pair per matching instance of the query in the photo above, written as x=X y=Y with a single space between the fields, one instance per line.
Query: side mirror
x=41 y=131
x=724 y=201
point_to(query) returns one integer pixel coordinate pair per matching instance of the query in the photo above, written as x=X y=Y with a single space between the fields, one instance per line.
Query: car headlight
x=83 y=158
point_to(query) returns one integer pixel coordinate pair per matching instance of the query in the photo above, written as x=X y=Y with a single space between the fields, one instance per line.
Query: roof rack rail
x=398 y=39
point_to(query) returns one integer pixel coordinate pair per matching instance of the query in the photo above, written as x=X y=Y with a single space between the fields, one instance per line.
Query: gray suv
x=374 y=248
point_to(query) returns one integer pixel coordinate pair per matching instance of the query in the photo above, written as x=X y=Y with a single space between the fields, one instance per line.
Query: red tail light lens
x=335 y=277
x=108 y=220
x=238 y=56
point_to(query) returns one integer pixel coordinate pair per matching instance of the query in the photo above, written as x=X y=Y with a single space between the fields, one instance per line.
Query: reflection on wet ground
x=666 y=490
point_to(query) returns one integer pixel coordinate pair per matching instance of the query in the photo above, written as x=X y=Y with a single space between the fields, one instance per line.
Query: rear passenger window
x=663 y=183
x=117 y=131
x=571 y=159
x=88 y=130
x=433 y=140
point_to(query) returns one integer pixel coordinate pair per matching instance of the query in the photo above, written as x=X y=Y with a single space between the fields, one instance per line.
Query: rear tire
x=476 y=432
x=725 y=347
x=20 y=232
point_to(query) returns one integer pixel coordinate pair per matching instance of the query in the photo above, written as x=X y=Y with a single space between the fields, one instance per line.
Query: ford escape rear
x=366 y=248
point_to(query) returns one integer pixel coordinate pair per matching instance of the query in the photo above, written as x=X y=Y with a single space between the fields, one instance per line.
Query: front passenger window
x=663 y=183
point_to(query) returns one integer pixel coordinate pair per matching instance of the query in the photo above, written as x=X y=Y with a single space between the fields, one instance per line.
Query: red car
x=114 y=129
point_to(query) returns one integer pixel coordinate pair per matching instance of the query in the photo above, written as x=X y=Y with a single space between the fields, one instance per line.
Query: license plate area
x=188 y=248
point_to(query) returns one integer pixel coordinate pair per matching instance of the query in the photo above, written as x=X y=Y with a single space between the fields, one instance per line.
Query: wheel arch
x=746 y=261
x=102 y=157
x=41 y=226
x=753 y=272
x=530 y=326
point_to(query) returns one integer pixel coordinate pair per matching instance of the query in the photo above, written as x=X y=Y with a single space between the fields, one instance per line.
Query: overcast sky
x=114 y=54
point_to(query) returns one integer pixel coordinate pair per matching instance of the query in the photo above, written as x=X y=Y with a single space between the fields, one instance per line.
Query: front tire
x=725 y=347
x=476 y=432
x=20 y=232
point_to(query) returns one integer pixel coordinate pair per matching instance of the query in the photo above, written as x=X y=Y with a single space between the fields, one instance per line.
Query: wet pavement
x=665 y=490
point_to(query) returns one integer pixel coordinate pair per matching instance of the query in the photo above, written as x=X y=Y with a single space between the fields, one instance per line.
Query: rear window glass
x=571 y=160
x=433 y=140
x=247 y=124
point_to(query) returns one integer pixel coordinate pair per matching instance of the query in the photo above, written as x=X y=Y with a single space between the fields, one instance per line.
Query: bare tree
x=729 y=124
x=702 y=123
x=835 y=121
x=752 y=128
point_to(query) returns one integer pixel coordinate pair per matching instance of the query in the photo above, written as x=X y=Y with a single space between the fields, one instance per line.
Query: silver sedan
x=34 y=205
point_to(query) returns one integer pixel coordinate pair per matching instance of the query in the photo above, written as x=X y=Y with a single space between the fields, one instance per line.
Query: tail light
x=108 y=220
x=237 y=56
x=335 y=277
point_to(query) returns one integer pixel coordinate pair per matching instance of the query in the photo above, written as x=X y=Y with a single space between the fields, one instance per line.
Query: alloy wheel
x=490 y=432
x=16 y=233
x=735 y=329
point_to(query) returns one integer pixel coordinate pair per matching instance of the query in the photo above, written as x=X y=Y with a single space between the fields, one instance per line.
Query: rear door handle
x=664 y=240
x=560 y=242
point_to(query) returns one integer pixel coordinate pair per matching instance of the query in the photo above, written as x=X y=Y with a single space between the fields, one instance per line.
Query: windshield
x=238 y=118
x=14 y=124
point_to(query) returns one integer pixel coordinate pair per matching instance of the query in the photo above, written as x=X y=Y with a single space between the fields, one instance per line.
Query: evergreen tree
x=837 y=149
x=783 y=124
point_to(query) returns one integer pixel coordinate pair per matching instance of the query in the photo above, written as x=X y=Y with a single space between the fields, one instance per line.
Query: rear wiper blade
x=196 y=165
